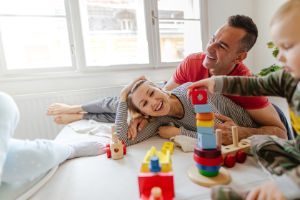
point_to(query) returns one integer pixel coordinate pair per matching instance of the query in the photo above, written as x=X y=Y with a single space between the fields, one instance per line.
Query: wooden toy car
x=236 y=152
x=116 y=149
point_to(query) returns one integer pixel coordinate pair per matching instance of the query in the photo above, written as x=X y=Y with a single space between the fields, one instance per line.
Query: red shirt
x=191 y=69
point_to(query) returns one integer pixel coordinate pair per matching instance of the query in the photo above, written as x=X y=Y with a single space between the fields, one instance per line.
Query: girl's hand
x=125 y=91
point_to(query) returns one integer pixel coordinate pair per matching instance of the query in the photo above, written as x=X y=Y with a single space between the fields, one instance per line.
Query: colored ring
x=207 y=153
x=208 y=161
x=208 y=174
x=208 y=168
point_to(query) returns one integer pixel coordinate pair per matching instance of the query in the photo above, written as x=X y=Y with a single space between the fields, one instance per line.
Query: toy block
x=203 y=108
x=154 y=164
x=205 y=116
x=165 y=181
x=208 y=174
x=207 y=141
x=208 y=161
x=202 y=123
x=198 y=96
x=116 y=149
x=167 y=146
x=164 y=160
x=207 y=153
x=208 y=168
x=205 y=130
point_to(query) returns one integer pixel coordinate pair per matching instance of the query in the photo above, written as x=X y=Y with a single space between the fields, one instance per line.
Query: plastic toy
x=156 y=179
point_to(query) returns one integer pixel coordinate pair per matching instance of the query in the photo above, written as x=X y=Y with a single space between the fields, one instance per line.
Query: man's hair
x=247 y=24
x=289 y=7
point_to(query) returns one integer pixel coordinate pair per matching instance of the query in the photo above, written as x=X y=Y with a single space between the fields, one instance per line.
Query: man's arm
x=269 y=121
x=266 y=117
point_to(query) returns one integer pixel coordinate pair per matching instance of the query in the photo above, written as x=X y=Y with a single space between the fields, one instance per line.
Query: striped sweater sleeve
x=122 y=126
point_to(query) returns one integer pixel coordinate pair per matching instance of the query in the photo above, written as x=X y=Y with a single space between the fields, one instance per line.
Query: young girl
x=286 y=36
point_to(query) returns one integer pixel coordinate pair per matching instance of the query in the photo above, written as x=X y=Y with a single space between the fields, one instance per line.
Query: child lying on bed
x=286 y=36
x=22 y=161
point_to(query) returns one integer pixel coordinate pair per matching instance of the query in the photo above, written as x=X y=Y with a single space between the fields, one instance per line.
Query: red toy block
x=164 y=181
x=207 y=153
x=208 y=161
x=205 y=116
x=198 y=96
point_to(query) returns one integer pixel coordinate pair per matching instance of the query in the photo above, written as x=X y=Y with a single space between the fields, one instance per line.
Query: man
x=225 y=52
x=224 y=55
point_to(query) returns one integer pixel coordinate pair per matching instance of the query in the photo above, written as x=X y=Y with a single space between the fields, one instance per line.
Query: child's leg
x=9 y=117
x=27 y=160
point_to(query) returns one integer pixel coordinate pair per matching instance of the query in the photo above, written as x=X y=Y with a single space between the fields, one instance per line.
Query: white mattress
x=97 y=177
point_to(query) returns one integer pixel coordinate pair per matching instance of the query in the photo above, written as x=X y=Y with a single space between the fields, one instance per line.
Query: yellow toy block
x=167 y=146
x=164 y=158
x=201 y=123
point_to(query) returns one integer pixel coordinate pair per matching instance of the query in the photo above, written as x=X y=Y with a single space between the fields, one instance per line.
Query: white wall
x=263 y=12
x=219 y=11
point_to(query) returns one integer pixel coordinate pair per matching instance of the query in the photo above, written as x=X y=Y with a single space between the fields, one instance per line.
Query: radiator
x=34 y=122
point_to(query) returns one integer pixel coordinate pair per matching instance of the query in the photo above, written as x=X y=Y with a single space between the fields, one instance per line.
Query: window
x=179 y=29
x=34 y=34
x=51 y=35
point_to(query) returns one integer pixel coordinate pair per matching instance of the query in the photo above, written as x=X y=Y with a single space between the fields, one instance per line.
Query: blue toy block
x=207 y=141
x=204 y=108
x=154 y=164
x=205 y=130
x=208 y=168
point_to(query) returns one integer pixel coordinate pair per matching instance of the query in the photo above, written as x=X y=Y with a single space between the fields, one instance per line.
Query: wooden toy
x=205 y=108
x=116 y=149
x=156 y=180
x=198 y=96
x=236 y=152
x=207 y=170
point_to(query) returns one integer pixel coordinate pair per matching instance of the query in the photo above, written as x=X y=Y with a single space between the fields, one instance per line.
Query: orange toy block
x=205 y=116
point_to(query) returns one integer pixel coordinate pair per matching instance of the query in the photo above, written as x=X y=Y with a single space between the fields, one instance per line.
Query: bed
x=102 y=178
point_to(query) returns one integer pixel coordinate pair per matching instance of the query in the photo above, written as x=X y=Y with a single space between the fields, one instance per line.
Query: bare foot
x=61 y=108
x=67 y=118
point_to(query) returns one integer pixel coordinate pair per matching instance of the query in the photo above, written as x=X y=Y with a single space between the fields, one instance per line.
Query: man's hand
x=135 y=126
x=168 y=131
x=225 y=128
x=268 y=190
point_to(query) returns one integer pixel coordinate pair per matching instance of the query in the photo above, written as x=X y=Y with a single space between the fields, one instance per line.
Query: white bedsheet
x=97 y=178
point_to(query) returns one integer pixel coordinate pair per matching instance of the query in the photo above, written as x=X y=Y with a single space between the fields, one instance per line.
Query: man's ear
x=242 y=56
